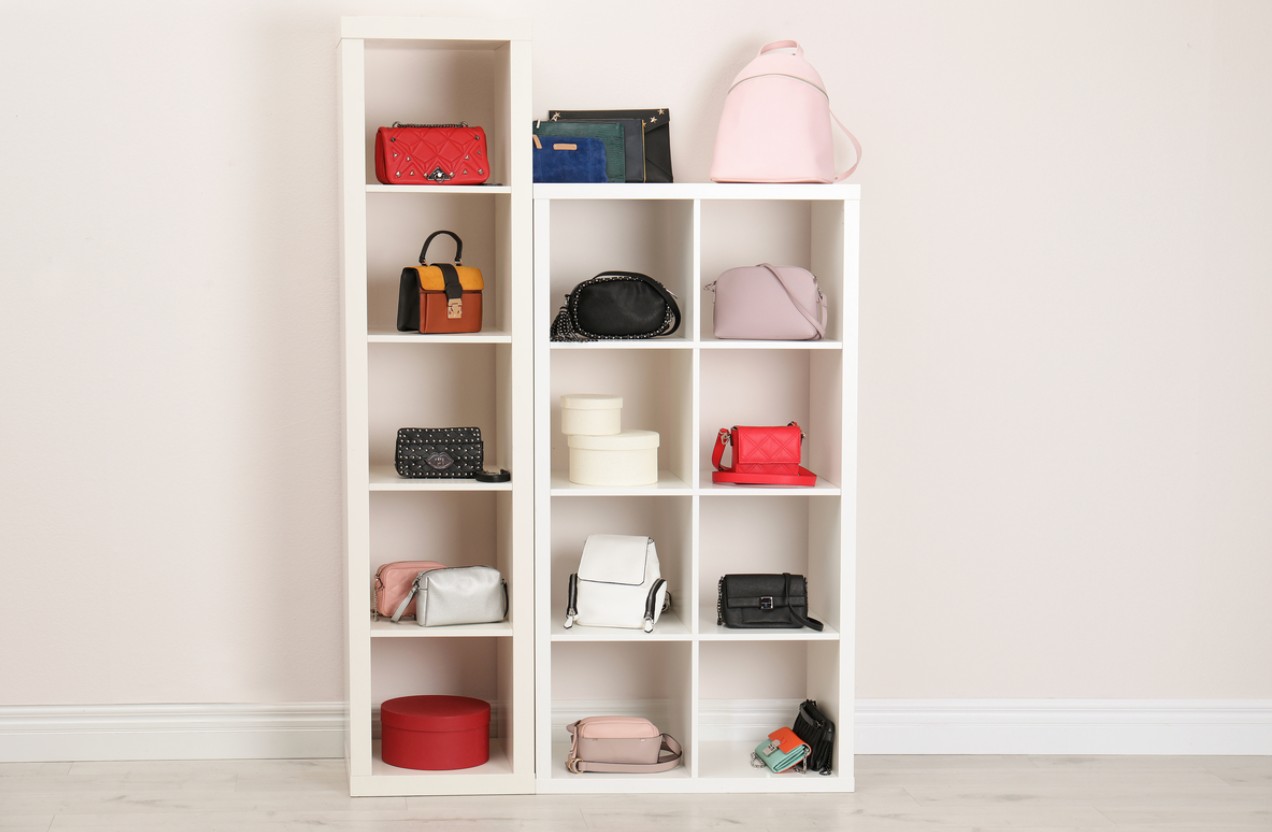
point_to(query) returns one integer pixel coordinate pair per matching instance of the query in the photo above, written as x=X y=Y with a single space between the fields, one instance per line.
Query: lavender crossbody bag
x=769 y=303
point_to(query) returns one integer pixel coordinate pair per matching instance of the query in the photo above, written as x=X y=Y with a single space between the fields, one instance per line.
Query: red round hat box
x=435 y=732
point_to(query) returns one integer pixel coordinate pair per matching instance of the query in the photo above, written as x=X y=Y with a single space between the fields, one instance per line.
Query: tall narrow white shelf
x=718 y=691
x=420 y=70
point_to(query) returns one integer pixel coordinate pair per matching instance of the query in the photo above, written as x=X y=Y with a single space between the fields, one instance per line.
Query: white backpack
x=618 y=584
x=776 y=123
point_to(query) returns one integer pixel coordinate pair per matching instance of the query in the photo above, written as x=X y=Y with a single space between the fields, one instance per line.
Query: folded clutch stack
x=601 y=452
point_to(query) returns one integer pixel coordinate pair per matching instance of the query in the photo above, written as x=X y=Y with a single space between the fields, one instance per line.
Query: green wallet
x=780 y=751
x=611 y=135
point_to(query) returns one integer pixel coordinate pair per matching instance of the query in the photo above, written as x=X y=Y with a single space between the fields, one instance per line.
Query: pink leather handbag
x=776 y=123
x=624 y=744
x=772 y=303
x=394 y=581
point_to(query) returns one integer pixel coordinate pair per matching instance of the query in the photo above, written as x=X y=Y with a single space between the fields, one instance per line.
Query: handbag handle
x=459 y=247
x=782 y=44
x=820 y=326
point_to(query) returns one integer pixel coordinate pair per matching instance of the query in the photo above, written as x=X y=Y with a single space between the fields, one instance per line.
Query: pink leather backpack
x=776 y=123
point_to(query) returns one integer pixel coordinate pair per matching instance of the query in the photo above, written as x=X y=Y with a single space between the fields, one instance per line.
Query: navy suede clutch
x=572 y=159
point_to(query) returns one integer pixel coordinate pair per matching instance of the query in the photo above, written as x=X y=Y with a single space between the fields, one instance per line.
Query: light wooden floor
x=894 y=794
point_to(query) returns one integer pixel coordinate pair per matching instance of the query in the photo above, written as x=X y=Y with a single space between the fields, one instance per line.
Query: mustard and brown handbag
x=440 y=297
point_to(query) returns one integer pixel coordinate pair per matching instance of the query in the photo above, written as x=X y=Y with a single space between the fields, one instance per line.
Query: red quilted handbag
x=431 y=154
x=761 y=456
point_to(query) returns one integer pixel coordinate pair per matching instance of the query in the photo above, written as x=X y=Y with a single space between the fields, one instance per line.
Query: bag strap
x=459 y=247
x=820 y=326
x=856 y=146
x=572 y=603
x=807 y=621
x=415 y=587
x=666 y=761
x=454 y=290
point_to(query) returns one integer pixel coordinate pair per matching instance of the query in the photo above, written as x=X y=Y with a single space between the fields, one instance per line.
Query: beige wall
x=1066 y=459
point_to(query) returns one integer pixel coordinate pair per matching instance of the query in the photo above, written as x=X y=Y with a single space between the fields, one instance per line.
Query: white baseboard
x=884 y=726
x=171 y=732
x=1064 y=726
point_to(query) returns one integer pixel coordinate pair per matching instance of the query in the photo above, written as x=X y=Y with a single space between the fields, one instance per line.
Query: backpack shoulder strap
x=856 y=146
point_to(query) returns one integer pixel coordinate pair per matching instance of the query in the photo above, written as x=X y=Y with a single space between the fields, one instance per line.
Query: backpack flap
x=616 y=559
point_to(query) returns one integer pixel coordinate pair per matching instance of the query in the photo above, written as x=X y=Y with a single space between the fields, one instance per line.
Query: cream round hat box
x=627 y=458
x=591 y=414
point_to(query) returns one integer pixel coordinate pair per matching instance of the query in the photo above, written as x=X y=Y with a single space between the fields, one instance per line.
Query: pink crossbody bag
x=393 y=582
x=624 y=744
x=770 y=303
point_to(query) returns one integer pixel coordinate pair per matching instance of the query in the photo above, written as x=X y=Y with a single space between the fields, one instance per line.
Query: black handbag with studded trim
x=438 y=453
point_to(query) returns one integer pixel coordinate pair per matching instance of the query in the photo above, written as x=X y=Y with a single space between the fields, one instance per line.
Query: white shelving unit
x=716 y=690
x=420 y=70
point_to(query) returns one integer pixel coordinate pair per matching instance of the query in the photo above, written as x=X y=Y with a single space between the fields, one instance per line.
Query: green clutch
x=780 y=751
x=611 y=135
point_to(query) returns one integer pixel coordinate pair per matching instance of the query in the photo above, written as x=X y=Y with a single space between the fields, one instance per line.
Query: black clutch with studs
x=438 y=453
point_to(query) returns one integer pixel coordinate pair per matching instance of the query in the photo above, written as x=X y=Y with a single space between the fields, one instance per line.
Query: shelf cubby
x=397 y=226
x=655 y=387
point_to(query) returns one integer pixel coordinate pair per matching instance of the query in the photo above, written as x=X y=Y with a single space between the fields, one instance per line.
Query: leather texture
x=440 y=298
x=617 y=304
x=608 y=133
x=817 y=729
x=655 y=137
x=435 y=316
x=620 y=744
x=764 y=601
x=782 y=751
x=438 y=453
x=431 y=155
x=770 y=303
x=776 y=123
x=762 y=455
x=460 y=595
x=394 y=581
x=618 y=584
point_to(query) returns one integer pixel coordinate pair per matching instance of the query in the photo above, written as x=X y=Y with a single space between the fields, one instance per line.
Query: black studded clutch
x=438 y=453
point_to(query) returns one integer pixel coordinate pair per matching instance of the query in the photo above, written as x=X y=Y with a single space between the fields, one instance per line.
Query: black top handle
x=459 y=247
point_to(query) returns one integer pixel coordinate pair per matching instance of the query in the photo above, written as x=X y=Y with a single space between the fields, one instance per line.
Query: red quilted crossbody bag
x=761 y=456
x=431 y=154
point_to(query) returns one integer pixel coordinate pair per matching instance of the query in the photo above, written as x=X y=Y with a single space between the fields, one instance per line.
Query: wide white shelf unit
x=426 y=70
x=697 y=680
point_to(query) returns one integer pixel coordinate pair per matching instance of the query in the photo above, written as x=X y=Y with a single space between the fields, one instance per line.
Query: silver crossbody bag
x=457 y=595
